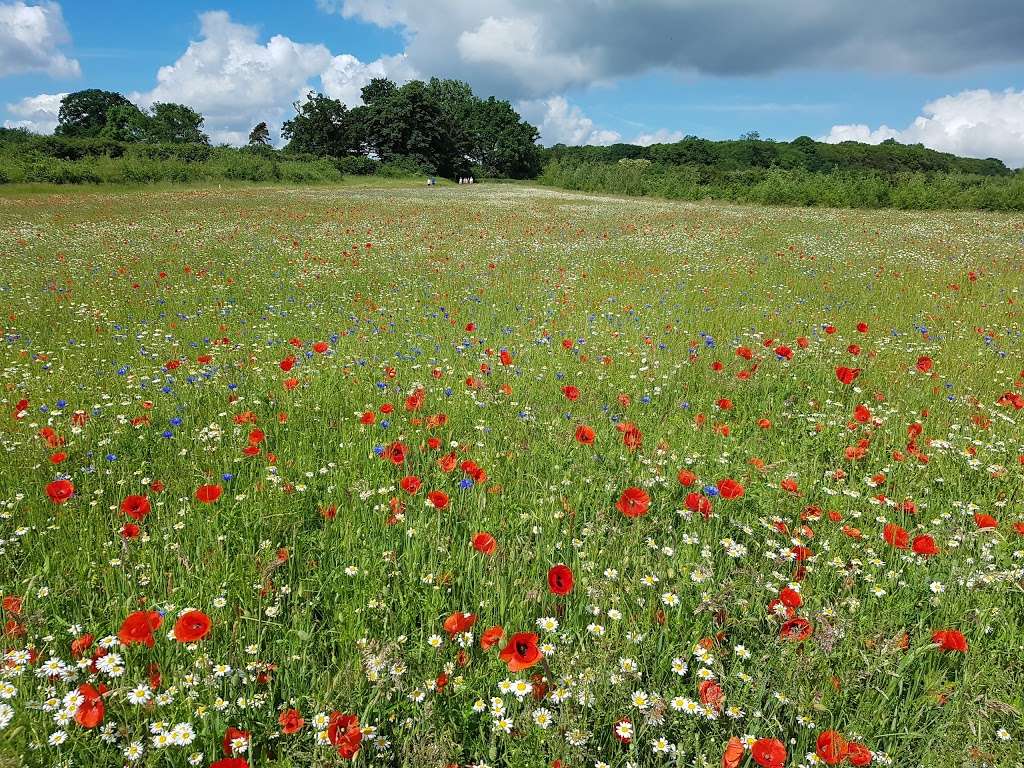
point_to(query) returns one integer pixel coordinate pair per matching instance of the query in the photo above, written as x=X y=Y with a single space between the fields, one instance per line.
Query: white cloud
x=30 y=36
x=36 y=113
x=660 y=136
x=235 y=80
x=562 y=123
x=979 y=123
x=345 y=76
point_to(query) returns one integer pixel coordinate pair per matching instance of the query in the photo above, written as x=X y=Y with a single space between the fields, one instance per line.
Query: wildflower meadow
x=504 y=476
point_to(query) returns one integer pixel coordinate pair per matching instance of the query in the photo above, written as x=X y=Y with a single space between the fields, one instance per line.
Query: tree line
x=437 y=127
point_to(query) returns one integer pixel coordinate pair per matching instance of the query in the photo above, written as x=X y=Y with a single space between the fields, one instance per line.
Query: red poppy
x=139 y=627
x=790 y=598
x=896 y=536
x=858 y=755
x=985 y=521
x=505 y=356
x=769 y=753
x=560 y=579
x=732 y=756
x=686 y=478
x=291 y=721
x=862 y=414
x=410 y=484
x=730 y=489
x=796 y=629
x=633 y=502
x=697 y=503
x=485 y=543
x=459 y=622
x=438 y=498
x=924 y=364
x=320 y=347
x=924 y=545
x=208 y=494
x=345 y=734
x=60 y=491
x=950 y=640
x=130 y=531
x=571 y=392
x=584 y=435
x=395 y=453
x=90 y=712
x=831 y=747
x=136 y=507
x=491 y=637
x=191 y=627
x=862 y=327
x=230 y=762
x=847 y=375
x=521 y=652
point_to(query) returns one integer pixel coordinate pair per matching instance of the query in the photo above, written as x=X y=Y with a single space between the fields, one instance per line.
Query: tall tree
x=83 y=114
x=259 y=136
x=126 y=122
x=409 y=123
x=322 y=126
x=177 y=124
x=501 y=142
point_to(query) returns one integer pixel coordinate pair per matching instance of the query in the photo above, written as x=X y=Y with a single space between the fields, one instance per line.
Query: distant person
x=470 y=179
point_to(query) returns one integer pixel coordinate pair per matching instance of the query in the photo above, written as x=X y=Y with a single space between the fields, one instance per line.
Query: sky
x=945 y=73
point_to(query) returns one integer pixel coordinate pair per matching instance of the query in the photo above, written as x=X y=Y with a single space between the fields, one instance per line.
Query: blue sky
x=584 y=71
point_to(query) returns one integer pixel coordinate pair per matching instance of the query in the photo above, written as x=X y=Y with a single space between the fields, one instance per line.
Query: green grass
x=102 y=288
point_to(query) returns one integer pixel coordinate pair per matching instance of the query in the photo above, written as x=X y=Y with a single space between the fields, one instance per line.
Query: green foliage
x=177 y=124
x=321 y=126
x=790 y=186
x=83 y=114
x=259 y=136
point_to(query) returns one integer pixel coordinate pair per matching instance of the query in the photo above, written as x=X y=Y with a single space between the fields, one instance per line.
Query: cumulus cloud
x=660 y=136
x=30 y=38
x=978 y=123
x=560 y=122
x=36 y=113
x=345 y=75
x=535 y=48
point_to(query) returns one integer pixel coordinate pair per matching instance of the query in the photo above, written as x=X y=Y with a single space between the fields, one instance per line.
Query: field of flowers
x=507 y=477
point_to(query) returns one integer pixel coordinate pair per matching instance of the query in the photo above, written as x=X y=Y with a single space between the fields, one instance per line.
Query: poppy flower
x=697 y=503
x=730 y=489
x=847 y=375
x=896 y=536
x=924 y=364
x=633 y=502
x=90 y=712
x=790 y=598
x=459 y=622
x=491 y=637
x=732 y=756
x=207 y=494
x=769 y=753
x=571 y=392
x=858 y=755
x=831 y=747
x=230 y=762
x=438 y=498
x=862 y=414
x=985 y=521
x=796 y=629
x=560 y=579
x=485 y=543
x=139 y=627
x=345 y=734
x=60 y=491
x=410 y=484
x=686 y=478
x=321 y=347
x=521 y=652
x=191 y=627
x=924 y=545
x=950 y=640
x=130 y=531
x=291 y=721
x=584 y=435
x=136 y=507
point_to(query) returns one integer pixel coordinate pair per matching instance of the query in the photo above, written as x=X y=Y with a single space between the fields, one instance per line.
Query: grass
x=147 y=329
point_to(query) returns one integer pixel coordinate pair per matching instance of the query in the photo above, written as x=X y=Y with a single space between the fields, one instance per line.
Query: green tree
x=126 y=122
x=83 y=114
x=409 y=123
x=501 y=142
x=322 y=126
x=177 y=124
x=259 y=136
